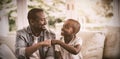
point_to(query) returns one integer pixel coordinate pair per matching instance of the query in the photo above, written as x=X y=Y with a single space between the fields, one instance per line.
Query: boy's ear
x=74 y=31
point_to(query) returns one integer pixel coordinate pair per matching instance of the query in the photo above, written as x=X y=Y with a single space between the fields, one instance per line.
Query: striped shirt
x=25 y=38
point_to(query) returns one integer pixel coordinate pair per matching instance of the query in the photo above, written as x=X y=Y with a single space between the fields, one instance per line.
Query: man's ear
x=31 y=21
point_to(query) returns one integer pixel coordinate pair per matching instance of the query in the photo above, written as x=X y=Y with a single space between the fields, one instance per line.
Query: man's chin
x=43 y=28
x=62 y=34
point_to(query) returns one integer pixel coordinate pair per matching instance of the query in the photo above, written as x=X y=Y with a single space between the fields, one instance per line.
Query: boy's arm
x=72 y=49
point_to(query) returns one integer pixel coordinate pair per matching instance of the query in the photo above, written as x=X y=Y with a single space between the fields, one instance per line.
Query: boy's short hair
x=75 y=24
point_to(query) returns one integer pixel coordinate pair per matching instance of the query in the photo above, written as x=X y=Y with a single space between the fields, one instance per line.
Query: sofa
x=112 y=43
x=7 y=47
x=95 y=45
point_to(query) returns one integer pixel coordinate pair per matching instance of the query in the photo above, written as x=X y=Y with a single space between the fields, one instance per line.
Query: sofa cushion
x=93 y=44
x=5 y=52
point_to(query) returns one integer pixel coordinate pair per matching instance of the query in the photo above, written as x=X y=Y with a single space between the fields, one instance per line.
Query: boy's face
x=67 y=29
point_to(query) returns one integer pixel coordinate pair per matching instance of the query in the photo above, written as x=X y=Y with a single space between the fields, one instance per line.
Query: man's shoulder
x=50 y=31
x=22 y=31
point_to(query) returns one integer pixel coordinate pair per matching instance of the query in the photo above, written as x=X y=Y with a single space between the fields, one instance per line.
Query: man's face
x=40 y=21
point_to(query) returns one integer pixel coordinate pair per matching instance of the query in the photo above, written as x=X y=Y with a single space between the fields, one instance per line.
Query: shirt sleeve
x=20 y=46
x=50 y=57
x=57 y=48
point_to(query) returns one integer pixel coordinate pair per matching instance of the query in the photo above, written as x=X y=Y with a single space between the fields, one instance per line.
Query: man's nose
x=62 y=29
x=43 y=23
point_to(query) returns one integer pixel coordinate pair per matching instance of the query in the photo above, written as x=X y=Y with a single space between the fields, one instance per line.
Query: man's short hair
x=32 y=13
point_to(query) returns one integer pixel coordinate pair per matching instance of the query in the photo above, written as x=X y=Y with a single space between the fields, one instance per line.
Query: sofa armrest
x=6 y=53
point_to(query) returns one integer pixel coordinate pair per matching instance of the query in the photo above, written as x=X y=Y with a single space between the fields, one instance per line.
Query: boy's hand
x=53 y=42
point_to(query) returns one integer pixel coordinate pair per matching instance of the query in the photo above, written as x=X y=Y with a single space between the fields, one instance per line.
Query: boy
x=70 y=45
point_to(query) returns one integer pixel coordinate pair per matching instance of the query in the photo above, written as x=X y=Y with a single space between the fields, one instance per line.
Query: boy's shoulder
x=78 y=40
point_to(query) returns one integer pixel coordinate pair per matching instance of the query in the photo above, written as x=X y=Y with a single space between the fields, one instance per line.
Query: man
x=34 y=41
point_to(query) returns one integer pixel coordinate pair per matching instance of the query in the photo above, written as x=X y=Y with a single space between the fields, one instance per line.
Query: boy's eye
x=65 y=26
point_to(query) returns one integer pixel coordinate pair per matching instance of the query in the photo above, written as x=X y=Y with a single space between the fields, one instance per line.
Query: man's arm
x=30 y=50
x=23 y=51
x=72 y=49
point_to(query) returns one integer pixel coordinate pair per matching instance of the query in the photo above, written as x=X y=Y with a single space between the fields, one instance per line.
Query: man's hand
x=46 y=43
